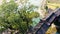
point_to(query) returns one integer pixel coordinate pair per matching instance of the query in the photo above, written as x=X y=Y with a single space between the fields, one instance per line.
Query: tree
x=14 y=19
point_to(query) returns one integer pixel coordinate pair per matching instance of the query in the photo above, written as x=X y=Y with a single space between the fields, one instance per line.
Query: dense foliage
x=12 y=18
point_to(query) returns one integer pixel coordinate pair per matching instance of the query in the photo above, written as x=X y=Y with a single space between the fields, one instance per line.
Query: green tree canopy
x=11 y=17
